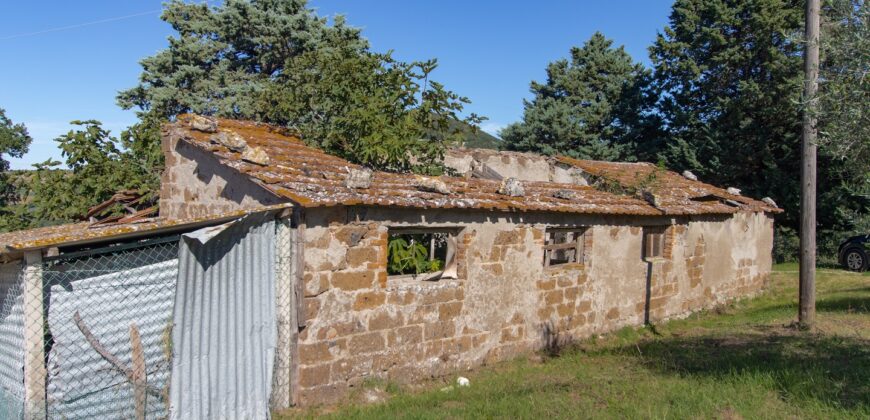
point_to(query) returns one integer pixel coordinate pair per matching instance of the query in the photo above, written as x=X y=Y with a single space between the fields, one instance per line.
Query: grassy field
x=745 y=360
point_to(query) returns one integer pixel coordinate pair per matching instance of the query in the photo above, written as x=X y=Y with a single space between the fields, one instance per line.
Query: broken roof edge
x=746 y=204
x=76 y=234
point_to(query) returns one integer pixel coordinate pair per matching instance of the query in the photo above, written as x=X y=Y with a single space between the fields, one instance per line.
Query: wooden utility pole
x=807 y=309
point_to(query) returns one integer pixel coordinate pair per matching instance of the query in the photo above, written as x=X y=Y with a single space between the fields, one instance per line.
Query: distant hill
x=479 y=139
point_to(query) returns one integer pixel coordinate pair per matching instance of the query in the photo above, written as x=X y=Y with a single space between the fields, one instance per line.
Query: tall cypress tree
x=729 y=72
x=591 y=106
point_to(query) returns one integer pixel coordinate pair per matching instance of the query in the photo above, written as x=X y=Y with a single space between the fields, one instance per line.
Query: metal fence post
x=34 y=337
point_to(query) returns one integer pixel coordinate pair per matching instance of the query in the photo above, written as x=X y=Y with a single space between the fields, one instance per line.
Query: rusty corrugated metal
x=225 y=329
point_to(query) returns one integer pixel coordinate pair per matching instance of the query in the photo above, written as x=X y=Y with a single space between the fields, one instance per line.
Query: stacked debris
x=132 y=205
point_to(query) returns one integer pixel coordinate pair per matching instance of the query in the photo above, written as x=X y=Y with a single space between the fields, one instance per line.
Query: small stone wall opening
x=564 y=246
x=422 y=254
x=653 y=242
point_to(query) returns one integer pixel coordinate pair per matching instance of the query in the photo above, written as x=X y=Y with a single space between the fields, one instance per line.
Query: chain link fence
x=107 y=318
x=108 y=331
x=11 y=341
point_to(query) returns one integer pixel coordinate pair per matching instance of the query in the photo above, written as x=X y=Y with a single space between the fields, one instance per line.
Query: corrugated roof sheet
x=313 y=178
x=674 y=194
x=86 y=232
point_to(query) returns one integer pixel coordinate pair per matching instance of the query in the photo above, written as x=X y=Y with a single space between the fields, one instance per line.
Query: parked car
x=853 y=253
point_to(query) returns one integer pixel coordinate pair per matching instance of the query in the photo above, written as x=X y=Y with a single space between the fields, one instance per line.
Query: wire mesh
x=107 y=333
x=285 y=266
x=11 y=341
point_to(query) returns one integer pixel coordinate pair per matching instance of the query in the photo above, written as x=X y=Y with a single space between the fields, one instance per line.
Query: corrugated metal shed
x=225 y=324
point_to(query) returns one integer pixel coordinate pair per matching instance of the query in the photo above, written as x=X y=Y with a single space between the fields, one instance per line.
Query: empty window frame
x=564 y=246
x=653 y=242
x=422 y=254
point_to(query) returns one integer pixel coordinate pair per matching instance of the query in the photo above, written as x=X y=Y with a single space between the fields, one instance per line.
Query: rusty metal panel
x=225 y=328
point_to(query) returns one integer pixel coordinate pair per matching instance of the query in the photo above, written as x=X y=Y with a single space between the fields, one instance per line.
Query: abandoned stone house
x=513 y=252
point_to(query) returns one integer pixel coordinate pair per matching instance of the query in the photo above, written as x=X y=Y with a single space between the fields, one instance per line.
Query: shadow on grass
x=800 y=367
x=846 y=304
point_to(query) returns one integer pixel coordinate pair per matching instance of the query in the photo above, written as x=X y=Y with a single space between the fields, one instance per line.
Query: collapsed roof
x=312 y=178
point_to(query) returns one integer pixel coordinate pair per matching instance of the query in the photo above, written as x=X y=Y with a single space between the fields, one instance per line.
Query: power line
x=79 y=25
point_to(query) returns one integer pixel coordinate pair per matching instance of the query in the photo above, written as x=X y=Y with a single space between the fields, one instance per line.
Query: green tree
x=223 y=57
x=594 y=105
x=730 y=75
x=98 y=166
x=277 y=61
x=14 y=142
x=368 y=108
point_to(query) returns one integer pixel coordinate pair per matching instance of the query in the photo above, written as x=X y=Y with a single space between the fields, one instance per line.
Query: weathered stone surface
x=689 y=175
x=369 y=300
x=367 y=343
x=256 y=155
x=231 y=140
x=352 y=280
x=565 y=194
x=366 y=327
x=204 y=124
x=359 y=178
x=426 y=183
x=512 y=187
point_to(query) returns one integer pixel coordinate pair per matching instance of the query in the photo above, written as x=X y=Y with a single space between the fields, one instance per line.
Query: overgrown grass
x=742 y=360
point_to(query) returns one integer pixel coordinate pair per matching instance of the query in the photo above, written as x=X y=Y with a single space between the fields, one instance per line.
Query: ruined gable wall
x=195 y=184
x=360 y=323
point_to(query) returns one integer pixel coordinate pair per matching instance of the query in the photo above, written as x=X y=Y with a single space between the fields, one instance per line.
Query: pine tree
x=730 y=76
x=593 y=105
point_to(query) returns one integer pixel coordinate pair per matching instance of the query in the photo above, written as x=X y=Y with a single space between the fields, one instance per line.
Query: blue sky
x=488 y=51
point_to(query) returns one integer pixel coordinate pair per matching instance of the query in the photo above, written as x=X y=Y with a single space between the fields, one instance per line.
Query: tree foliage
x=98 y=165
x=368 y=108
x=277 y=61
x=593 y=105
x=223 y=58
x=730 y=76
x=14 y=142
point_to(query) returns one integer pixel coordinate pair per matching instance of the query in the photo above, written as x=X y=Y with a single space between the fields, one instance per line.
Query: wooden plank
x=34 y=336
x=565 y=245
x=297 y=301
x=138 y=377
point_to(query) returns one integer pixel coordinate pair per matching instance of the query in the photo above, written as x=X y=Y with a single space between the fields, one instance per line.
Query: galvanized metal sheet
x=110 y=293
x=224 y=333
x=11 y=342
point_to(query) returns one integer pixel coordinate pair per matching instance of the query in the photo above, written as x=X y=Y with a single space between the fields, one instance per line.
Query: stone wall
x=361 y=323
x=195 y=184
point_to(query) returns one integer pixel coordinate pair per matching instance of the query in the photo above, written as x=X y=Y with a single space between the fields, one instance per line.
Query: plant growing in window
x=421 y=252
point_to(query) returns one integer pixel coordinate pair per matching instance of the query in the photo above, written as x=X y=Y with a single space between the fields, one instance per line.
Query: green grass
x=745 y=360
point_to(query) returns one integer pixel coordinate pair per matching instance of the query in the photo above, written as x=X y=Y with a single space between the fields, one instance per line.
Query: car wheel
x=855 y=259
